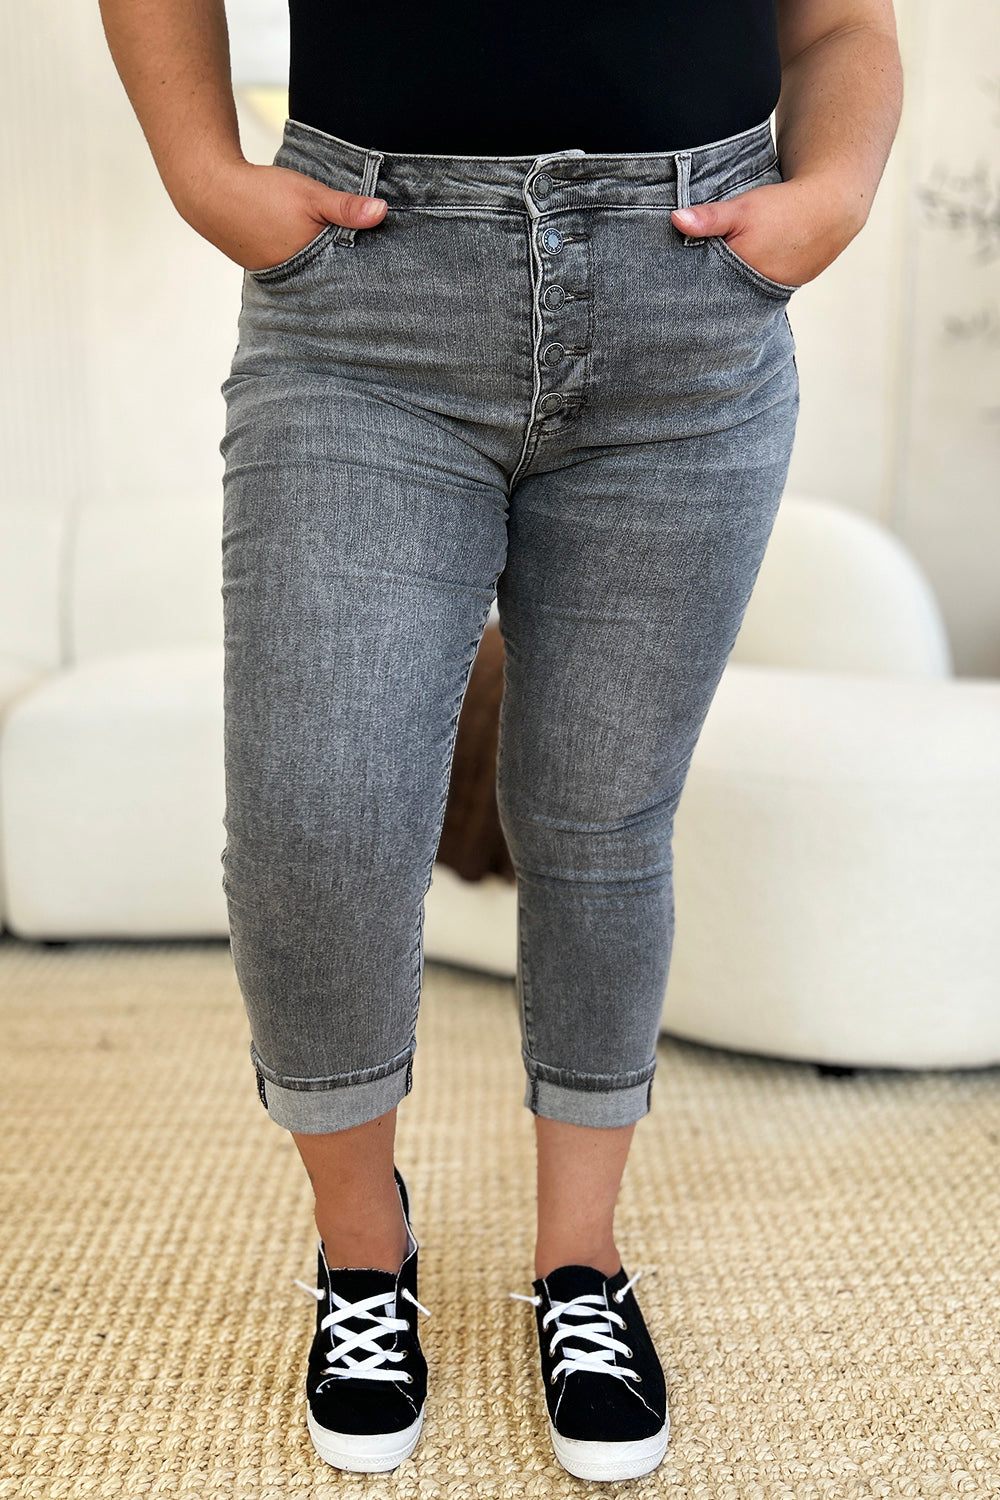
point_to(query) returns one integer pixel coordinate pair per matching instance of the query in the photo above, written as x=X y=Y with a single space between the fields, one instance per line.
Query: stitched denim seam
x=587 y=1083
x=332 y=1081
x=475 y=209
x=732 y=187
x=297 y=262
x=779 y=290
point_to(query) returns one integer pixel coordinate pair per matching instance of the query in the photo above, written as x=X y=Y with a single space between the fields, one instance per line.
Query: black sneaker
x=604 y=1385
x=367 y=1376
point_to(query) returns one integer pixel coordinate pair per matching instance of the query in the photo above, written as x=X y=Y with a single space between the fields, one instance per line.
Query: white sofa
x=837 y=847
x=111 y=782
x=837 y=844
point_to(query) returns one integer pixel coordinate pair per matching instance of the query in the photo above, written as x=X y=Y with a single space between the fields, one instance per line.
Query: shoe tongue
x=566 y=1282
x=356 y=1284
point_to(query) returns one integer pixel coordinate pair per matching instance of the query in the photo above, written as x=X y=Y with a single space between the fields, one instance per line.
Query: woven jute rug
x=820 y=1256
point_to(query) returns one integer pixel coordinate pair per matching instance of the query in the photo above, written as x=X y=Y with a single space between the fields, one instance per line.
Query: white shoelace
x=599 y=1330
x=372 y=1368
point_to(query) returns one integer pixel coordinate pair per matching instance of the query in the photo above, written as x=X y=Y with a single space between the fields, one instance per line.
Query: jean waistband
x=567 y=179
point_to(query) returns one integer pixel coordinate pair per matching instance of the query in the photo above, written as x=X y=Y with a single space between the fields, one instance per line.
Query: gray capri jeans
x=524 y=384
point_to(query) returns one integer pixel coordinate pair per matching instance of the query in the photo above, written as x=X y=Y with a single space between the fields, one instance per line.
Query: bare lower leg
x=580 y=1170
x=358 y=1212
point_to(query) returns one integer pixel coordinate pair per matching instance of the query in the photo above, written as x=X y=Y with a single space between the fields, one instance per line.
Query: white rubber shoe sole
x=610 y=1460
x=363 y=1452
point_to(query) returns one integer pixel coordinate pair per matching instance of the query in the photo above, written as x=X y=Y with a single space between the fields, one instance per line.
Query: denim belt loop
x=345 y=233
x=682 y=163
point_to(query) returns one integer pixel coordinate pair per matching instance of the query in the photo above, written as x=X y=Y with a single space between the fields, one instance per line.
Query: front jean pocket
x=750 y=273
x=727 y=255
x=304 y=257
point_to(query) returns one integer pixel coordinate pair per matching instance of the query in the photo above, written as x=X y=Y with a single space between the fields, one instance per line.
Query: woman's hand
x=261 y=215
x=789 y=231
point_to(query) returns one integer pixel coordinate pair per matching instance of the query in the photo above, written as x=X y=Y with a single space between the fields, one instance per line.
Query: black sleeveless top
x=527 y=77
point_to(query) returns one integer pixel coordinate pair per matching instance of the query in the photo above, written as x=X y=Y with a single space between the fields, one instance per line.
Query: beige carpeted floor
x=821 y=1257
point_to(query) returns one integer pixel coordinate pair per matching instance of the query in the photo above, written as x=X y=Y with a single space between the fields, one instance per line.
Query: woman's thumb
x=371 y=209
x=694 y=220
x=353 y=208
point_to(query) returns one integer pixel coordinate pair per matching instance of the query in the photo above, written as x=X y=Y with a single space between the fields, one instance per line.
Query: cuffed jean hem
x=588 y=1106
x=317 y=1111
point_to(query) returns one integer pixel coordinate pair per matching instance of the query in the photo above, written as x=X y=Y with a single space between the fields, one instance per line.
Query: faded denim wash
x=523 y=384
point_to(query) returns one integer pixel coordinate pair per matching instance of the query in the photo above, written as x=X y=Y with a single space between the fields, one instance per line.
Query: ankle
x=577 y=1250
x=345 y=1255
x=373 y=1237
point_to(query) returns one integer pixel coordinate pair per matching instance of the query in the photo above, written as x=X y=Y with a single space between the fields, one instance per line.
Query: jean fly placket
x=561 y=298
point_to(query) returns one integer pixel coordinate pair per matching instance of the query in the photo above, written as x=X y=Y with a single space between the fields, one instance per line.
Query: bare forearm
x=173 y=59
x=841 y=100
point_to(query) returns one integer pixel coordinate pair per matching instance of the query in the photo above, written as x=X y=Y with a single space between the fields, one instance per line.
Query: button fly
x=561 y=321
